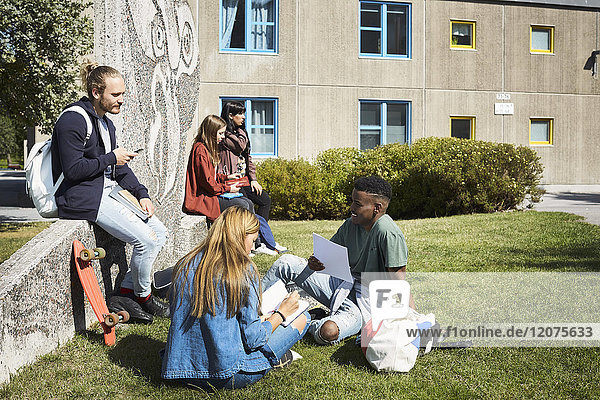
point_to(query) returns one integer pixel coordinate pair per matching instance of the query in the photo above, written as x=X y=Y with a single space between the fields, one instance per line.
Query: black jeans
x=263 y=201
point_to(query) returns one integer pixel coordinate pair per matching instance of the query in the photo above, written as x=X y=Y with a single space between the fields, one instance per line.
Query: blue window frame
x=261 y=124
x=249 y=25
x=385 y=29
x=383 y=122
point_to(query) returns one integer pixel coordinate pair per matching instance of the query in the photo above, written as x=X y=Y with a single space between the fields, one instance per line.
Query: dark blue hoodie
x=78 y=197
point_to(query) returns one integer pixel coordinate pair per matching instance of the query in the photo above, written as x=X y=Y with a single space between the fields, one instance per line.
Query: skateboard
x=88 y=279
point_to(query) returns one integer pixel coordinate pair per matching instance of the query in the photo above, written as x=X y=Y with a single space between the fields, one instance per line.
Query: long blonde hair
x=225 y=264
x=94 y=76
x=207 y=135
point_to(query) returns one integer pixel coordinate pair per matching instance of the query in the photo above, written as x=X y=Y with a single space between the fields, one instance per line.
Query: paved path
x=15 y=205
x=581 y=200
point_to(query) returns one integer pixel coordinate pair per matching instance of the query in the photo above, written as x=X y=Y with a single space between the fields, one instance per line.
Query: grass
x=13 y=236
x=519 y=241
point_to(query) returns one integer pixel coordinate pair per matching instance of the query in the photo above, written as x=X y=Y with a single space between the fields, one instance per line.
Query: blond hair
x=207 y=135
x=225 y=264
x=94 y=76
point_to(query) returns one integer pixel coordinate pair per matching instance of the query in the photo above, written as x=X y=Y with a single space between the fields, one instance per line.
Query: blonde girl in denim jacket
x=217 y=339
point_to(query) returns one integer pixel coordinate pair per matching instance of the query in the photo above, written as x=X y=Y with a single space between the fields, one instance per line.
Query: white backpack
x=394 y=345
x=38 y=171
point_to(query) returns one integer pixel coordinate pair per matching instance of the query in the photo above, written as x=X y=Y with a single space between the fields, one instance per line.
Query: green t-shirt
x=383 y=247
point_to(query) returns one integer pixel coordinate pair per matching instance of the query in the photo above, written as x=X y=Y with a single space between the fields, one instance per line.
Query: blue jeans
x=279 y=343
x=265 y=234
x=147 y=238
x=321 y=287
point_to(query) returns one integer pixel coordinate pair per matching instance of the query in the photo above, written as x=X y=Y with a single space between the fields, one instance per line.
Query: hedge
x=432 y=177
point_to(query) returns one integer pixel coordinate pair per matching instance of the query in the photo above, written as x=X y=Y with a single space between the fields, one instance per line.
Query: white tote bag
x=394 y=345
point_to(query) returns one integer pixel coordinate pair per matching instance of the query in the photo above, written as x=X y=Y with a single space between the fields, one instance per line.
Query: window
x=261 y=124
x=383 y=123
x=540 y=130
x=249 y=25
x=462 y=35
x=542 y=39
x=462 y=127
x=385 y=29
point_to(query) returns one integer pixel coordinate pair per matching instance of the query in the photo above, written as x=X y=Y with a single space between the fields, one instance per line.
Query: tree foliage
x=10 y=136
x=40 y=42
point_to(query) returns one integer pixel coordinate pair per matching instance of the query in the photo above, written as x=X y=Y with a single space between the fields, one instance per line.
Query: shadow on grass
x=140 y=354
x=568 y=258
x=92 y=335
x=10 y=224
x=350 y=354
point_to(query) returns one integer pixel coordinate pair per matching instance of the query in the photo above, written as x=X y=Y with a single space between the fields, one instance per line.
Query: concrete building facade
x=317 y=75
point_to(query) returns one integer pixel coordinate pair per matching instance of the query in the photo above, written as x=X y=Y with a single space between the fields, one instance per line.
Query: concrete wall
x=329 y=44
x=576 y=36
x=41 y=299
x=464 y=69
x=155 y=45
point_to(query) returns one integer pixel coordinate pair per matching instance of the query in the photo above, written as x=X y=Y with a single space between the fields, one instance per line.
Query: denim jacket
x=215 y=346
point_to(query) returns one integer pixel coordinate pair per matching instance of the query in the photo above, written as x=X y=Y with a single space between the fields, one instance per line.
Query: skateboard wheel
x=111 y=320
x=85 y=255
x=99 y=252
x=124 y=315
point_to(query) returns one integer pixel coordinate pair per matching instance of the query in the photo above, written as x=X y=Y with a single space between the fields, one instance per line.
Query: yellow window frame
x=462 y=46
x=471 y=119
x=549 y=29
x=550 y=122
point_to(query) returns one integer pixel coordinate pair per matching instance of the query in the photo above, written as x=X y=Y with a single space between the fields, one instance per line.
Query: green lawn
x=518 y=241
x=13 y=236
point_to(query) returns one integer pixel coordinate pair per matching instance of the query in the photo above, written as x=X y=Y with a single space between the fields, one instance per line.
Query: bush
x=432 y=177
x=338 y=166
x=299 y=191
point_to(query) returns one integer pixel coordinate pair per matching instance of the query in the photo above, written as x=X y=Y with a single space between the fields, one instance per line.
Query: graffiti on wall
x=160 y=59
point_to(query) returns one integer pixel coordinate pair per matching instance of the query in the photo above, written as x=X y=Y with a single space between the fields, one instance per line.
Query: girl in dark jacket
x=234 y=154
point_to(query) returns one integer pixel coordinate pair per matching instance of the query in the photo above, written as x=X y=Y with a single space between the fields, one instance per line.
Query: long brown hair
x=225 y=264
x=94 y=76
x=207 y=135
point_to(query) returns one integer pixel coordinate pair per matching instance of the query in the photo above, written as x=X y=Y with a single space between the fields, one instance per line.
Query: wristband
x=280 y=314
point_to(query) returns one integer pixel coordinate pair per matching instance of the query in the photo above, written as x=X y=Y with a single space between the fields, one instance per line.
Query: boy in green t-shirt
x=374 y=243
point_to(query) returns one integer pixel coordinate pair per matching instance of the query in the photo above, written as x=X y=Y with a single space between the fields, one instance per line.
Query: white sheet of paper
x=272 y=298
x=333 y=256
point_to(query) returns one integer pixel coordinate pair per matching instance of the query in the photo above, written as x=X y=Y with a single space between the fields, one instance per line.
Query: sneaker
x=262 y=249
x=156 y=307
x=136 y=313
x=285 y=360
x=317 y=313
x=280 y=249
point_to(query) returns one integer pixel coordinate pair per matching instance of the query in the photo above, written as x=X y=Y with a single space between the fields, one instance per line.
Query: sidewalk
x=581 y=200
x=15 y=205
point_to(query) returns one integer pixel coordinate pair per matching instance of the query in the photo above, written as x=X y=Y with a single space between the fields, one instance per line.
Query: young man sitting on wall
x=374 y=243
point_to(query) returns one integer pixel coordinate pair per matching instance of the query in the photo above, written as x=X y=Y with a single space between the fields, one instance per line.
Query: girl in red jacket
x=206 y=191
x=203 y=186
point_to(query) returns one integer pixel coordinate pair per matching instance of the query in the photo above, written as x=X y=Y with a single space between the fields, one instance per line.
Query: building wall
x=562 y=72
x=329 y=47
x=479 y=69
x=319 y=77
